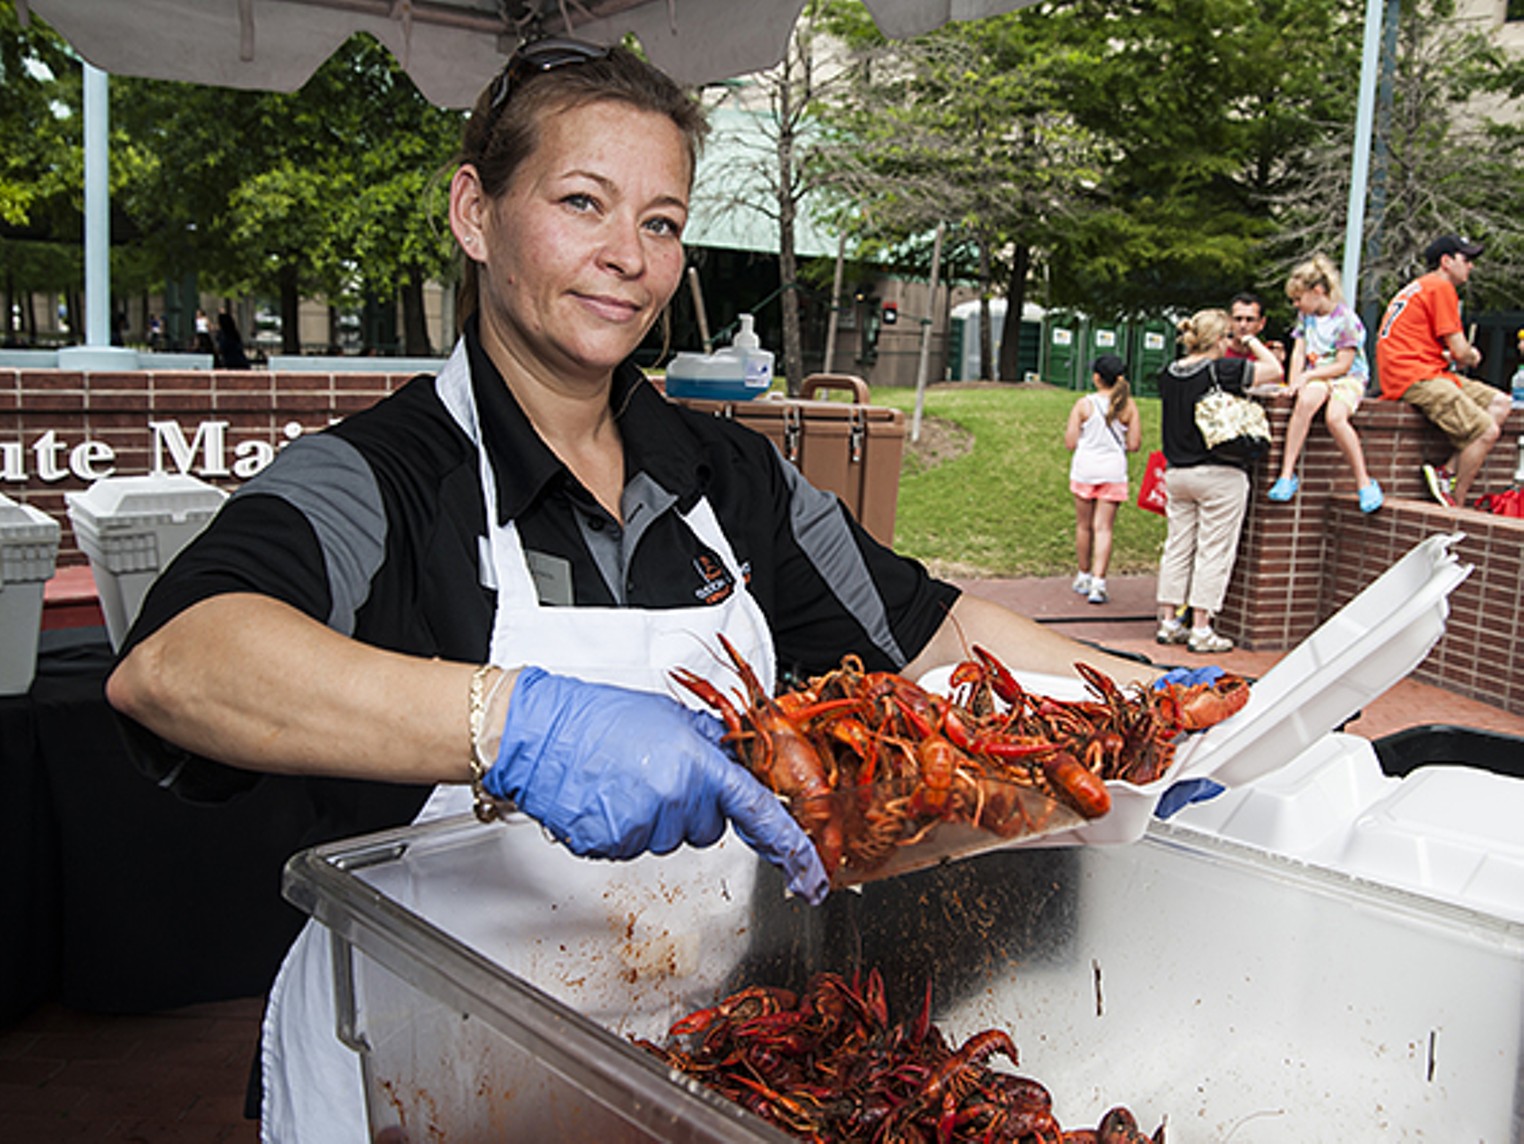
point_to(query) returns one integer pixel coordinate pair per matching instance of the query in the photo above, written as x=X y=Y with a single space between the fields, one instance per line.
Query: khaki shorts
x=1460 y=411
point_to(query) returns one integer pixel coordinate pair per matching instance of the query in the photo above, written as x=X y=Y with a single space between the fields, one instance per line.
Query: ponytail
x=1121 y=398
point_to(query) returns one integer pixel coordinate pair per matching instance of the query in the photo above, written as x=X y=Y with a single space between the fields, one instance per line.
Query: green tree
x=963 y=126
x=1211 y=110
x=317 y=193
x=1448 y=157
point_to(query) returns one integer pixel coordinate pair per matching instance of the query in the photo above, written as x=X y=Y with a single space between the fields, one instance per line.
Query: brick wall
x=1300 y=562
x=115 y=408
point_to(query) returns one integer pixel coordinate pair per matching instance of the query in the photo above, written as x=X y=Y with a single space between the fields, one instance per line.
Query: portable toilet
x=1063 y=346
x=1151 y=351
x=1100 y=338
x=966 y=317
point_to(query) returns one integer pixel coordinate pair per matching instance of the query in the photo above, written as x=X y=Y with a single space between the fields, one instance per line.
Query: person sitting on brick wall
x=1419 y=343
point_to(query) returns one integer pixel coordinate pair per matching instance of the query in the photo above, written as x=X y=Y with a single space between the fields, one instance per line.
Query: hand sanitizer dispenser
x=738 y=372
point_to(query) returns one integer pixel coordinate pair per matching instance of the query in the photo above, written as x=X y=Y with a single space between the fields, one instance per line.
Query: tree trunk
x=290 y=310
x=1015 y=300
x=415 y=327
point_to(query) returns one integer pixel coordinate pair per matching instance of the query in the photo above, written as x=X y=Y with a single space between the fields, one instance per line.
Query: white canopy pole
x=1354 y=224
x=97 y=209
x=97 y=352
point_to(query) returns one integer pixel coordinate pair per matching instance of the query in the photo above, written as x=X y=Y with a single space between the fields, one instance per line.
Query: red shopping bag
x=1507 y=503
x=1151 y=494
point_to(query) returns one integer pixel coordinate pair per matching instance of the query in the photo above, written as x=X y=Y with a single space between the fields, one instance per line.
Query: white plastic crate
x=28 y=555
x=131 y=528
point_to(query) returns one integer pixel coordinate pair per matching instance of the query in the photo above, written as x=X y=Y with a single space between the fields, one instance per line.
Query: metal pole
x=921 y=369
x=97 y=210
x=833 y=321
x=1354 y=224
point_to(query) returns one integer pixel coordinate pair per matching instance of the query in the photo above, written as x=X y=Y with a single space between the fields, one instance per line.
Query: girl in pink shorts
x=1103 y=428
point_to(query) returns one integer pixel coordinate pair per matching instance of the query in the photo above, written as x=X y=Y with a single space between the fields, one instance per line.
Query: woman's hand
x=614 y=773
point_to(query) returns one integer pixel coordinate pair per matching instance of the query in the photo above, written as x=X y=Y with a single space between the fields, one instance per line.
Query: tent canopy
x=450 y=48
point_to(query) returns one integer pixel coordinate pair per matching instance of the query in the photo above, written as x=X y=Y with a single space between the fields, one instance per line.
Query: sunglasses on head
x=538 y=56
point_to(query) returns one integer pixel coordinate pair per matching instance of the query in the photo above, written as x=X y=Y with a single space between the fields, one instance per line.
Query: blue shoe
x=1371 y=498
x=1285 y=488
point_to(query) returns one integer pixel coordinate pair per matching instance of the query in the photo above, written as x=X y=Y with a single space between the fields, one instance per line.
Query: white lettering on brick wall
x=205 y=453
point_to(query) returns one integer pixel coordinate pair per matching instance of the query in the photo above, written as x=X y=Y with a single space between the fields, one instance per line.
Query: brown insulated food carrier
x=851 y=449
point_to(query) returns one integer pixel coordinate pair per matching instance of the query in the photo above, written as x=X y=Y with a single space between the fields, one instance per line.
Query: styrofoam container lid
x=1368 y=645
x=157 y=498
x=26 y=524
x=1449 y=831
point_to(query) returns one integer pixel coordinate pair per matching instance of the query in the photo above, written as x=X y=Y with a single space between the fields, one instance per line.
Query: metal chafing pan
x=1241 y=995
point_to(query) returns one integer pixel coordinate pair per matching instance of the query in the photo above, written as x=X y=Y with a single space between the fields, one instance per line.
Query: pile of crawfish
x=829 y=1066
x=870 y=762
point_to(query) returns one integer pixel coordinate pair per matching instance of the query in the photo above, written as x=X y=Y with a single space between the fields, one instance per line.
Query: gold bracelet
x=481 y=699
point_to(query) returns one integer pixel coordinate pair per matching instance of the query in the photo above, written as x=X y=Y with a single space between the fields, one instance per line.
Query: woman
x=1103 y=428
x=1328 y=369
x=1207 y=494
x=486 y=580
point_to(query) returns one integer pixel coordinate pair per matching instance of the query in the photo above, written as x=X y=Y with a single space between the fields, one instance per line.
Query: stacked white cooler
x=131 y=528
x=1445 y=831
x=28 y=554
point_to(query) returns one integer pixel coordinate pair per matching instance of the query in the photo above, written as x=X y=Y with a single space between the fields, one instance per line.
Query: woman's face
x=584 y=248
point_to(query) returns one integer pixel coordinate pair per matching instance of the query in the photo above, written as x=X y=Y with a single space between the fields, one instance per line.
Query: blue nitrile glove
x=1187 y=791
x=1189 y=676
x=614 y=773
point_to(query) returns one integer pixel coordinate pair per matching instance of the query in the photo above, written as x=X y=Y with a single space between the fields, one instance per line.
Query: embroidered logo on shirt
x=717 y=584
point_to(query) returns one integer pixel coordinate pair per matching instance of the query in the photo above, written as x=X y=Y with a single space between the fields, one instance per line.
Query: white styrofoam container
x=28 y=555
x=1368 y=645
x=1305 y=807
x=1450 y=832
x=131 y=528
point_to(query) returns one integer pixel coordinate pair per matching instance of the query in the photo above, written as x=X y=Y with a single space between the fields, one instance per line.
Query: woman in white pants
x=1208 y=494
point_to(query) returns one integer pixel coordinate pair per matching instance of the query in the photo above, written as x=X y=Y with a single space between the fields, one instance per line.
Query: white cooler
x=131 y=528
x=28 y=554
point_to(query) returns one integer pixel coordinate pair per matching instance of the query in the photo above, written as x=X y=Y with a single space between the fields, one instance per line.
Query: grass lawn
x=1003 y=507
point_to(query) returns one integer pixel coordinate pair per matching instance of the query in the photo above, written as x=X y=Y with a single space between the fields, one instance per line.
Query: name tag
x=552 y=578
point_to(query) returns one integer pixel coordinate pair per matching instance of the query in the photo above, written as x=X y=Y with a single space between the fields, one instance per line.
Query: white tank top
x=1101 y=455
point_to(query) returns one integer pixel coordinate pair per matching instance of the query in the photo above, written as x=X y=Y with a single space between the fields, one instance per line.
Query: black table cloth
x=119 y=896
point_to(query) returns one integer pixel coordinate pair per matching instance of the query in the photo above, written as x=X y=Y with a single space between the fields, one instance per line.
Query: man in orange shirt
x=1417 y=347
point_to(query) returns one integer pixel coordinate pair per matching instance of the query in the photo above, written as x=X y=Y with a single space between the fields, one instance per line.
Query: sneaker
x=1440 y=482
x=1285 y=488
x=1172 y=632
x=1371 y=498
x=1097 y=592
x=1205 y=640
x=1082 y=583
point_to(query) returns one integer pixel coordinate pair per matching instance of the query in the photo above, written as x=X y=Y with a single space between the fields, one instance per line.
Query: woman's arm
x=1134 y=427
x=1076 y=420
x=1267 y=367
x=252 y=682
x=1020 y=643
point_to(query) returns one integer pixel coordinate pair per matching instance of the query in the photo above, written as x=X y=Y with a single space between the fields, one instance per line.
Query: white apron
x=660 y=906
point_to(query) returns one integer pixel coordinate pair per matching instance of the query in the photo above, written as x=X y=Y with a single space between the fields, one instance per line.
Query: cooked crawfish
x=835 y=1067
x=775 y=747
x=869 y=762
